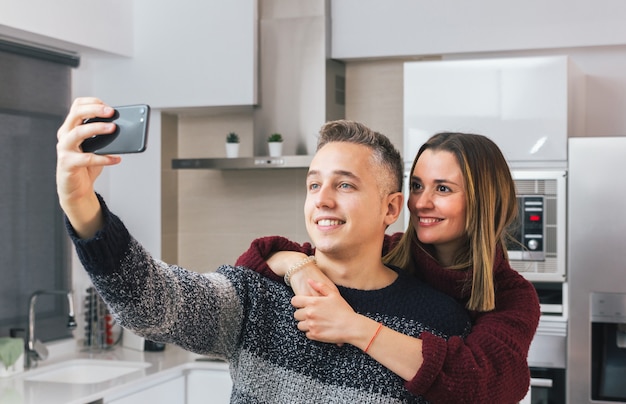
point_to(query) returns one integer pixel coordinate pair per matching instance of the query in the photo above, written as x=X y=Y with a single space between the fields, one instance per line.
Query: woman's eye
x=416 y=186
x=443 y=188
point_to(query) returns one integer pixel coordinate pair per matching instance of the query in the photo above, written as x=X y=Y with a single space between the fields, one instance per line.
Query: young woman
x=462 y=201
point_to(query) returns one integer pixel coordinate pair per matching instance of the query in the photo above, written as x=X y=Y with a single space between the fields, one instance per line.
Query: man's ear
x=395 y=201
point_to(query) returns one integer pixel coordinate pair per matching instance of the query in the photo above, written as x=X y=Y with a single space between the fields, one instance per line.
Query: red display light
x=534 y=218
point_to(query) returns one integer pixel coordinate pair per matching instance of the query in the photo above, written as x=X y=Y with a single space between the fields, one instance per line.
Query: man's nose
x=325 y=197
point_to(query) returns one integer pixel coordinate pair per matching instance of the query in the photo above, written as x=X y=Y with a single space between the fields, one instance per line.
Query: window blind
x=34 y=250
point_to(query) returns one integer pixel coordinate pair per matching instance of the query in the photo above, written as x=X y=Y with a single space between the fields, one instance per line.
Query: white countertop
x=168 y=363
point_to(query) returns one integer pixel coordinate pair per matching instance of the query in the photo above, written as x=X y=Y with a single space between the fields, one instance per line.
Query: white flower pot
x=275 y=149
x=232 y=150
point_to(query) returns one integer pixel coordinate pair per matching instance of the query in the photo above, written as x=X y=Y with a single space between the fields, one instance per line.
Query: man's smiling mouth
x=329 y=222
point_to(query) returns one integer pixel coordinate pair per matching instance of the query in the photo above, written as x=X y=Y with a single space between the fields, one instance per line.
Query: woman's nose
x=423 y=201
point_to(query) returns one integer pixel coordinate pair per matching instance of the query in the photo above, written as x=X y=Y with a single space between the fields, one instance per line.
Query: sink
x=84 y=371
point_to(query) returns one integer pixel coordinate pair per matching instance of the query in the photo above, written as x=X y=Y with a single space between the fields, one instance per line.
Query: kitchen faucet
x=35 y=349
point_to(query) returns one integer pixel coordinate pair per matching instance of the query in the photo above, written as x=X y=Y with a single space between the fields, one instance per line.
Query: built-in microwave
x=539 y=249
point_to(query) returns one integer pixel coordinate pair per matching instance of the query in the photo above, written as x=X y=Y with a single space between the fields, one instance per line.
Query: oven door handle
x=536 y=382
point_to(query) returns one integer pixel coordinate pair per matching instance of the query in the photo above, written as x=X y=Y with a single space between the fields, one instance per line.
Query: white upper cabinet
x=169 y=54
x=71 y=25
x=187 y=53
x=375 y=28
x=526 y=105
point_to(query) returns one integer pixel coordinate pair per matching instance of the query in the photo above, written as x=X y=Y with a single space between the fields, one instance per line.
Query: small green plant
x=232 y=137
x=275 y=137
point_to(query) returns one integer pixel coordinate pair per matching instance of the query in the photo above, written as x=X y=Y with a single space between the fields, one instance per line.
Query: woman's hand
x=77 y=171
x=280 y=263
x=327 y=317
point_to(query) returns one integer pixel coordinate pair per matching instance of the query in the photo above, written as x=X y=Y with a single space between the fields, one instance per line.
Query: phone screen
x=130 y=135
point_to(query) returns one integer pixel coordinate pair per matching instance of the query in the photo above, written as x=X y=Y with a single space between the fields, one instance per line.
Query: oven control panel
x=529 y=234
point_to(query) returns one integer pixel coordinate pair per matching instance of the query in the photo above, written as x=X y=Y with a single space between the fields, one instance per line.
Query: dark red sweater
x=490 y=365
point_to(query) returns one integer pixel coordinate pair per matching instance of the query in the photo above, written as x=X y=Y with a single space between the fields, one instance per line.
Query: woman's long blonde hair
x=491 y=209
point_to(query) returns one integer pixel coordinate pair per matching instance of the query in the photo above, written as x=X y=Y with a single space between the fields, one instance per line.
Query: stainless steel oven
x=547 y=386
x=547 y=362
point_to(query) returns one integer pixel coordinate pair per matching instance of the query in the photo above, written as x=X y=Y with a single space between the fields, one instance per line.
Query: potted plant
x=232 y=145
x=275 y=144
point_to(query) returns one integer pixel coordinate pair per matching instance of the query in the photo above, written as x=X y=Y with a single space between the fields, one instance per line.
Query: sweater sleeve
x=261 y=248
x=465 y=371
x=164 y=303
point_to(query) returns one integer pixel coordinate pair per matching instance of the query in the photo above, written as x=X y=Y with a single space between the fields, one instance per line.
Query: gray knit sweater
x=237 y=315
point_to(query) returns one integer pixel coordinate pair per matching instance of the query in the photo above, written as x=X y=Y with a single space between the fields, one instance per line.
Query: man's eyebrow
x=341 y=173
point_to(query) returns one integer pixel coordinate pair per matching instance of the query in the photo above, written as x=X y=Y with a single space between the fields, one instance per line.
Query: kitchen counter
x=159 y=367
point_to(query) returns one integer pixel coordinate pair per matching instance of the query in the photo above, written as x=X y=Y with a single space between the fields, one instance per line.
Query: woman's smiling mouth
x=429 y=220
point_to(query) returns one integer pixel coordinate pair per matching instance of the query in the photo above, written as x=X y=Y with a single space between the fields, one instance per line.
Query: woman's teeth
x=328 y=222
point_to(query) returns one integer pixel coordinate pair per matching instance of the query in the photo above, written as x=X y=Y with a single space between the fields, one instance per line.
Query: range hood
x=300 y=87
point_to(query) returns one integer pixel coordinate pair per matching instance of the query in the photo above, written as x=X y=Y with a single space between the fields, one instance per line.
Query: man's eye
x=313 y=186
x=345 y=186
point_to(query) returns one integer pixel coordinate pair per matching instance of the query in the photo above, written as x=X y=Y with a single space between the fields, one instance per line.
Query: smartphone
x=130 y=135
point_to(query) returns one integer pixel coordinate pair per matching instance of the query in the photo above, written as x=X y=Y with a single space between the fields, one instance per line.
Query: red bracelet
x=380 y=325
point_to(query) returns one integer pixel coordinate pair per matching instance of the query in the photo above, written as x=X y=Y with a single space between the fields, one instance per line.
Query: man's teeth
x=328 y=222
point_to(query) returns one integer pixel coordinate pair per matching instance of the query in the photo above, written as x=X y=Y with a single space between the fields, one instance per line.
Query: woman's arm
x=454 y=370
x=496 y=349
x=262 y=248
x=340 y=324
x=326 y=317
x=268 y=256
x=273 y=256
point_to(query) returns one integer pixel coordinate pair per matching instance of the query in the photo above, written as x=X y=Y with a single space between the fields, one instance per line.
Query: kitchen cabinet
x=208 y=386
x=170 y=391
x=170 y=376
x=186 y=54
x=420 y=27
x=167 y=54
x=527 y=105
x=66 y=25
x=195 y=386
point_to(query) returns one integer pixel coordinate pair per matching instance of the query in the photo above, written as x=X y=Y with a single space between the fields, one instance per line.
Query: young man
x=353 y=193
